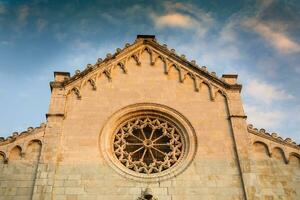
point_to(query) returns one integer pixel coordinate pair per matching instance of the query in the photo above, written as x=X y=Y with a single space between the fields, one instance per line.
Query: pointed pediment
x=186 y=69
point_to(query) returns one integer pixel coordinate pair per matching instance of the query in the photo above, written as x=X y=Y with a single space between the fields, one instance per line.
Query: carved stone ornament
x=148 y=142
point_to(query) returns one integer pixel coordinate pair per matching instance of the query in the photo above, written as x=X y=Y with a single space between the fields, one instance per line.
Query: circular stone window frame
x=185 y=128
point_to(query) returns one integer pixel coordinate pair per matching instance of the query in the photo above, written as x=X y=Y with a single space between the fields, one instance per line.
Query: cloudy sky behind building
x=258 y=40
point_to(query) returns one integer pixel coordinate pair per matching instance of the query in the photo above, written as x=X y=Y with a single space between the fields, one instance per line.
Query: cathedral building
x=147 y=124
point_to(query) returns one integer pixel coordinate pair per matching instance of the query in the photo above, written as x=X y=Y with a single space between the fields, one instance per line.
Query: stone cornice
x=238 y=116
x=273 y=137
x=91 y=68
x=61 y=73
x=16 y=136
x=193 y=66
x=54 y=115
x=55 y=84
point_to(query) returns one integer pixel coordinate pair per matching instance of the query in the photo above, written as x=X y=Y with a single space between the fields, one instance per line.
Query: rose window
x=148 y=144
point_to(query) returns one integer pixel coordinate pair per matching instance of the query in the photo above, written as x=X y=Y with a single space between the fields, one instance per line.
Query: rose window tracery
x=148 y=144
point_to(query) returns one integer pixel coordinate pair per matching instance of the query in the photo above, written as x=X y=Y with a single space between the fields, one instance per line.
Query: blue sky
x=259 y=40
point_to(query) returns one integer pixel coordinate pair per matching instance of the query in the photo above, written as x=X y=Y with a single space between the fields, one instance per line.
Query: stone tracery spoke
x=151 y=134
x=144 y=153
x=134 y=143
x=168 y=144
x=143 y=134
x=152 y=155
x=158 y=138
x=163 y=153
x=136 y=151
x=137 y=138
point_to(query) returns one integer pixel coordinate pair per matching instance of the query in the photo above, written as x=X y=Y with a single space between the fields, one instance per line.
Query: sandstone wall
x=276 y=165
x=82 y=171
x=18 y=164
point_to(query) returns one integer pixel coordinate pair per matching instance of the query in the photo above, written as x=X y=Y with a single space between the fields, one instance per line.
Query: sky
x=258 y=40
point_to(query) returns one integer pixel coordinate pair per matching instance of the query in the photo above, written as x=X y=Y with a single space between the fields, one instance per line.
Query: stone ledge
x=15 y=135
x=273 y=137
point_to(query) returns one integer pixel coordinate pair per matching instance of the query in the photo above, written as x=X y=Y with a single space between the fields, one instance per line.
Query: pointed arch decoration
x=15 y=153
x=264 y=145
x=136 y=59
x=177 y=68
x=293 y=154
x=281 y=153
x=183 y=73
x=92 y=82
x=107 y=73
x=149 y=50
x=4 y=158
x=192 y=76
x=123 y=67
x=76 y=91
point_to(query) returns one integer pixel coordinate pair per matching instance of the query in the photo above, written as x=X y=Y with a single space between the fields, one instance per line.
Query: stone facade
x=218 y=156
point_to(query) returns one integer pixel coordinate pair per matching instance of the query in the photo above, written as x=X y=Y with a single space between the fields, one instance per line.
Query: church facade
x=145 y=123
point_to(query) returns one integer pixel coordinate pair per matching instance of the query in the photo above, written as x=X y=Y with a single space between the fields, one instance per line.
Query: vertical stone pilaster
x=242 y=144
x=52 y=139
x=241 y=137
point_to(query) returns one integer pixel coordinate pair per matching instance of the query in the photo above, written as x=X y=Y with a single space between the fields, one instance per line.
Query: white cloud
x=274 y=32
x=265 y=92
x=261 y=118
x=174 y=20
x=276 y=37
x=191 y=9
x=184 y=16
x=274 y=120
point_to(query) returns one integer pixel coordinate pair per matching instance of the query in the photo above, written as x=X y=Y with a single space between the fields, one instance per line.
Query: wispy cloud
x=6 y=43
x=81 y=45
x=82 y=52
x=22 y=14
x=2 y=8
x=60 y=36
x=191 y=9
x=228 y=33
x=174 y=20
x=265 y=92
x=277 y=38
x=184 y=16
x=274 y=119
x=265 y=3
x=274 y=30
x=41 y=24
x=262 y=118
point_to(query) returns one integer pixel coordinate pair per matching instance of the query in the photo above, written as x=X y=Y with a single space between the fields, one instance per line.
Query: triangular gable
x=186 y=69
